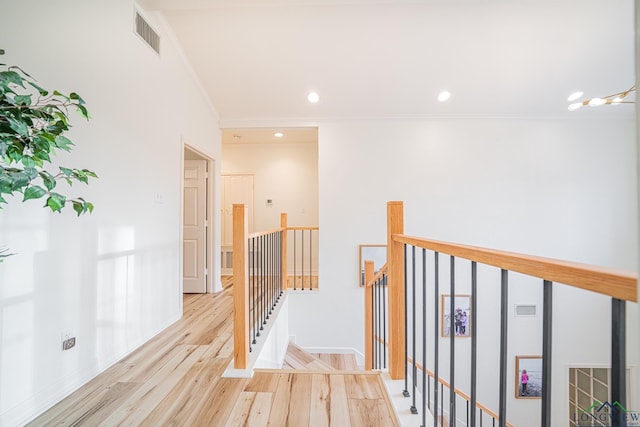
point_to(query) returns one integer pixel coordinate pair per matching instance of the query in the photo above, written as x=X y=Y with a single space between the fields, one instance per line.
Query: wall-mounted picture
x=528 y=377
x=375 y=253
x=461 y=315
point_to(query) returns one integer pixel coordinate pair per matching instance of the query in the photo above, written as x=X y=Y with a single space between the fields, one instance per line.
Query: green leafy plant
x=32 y=126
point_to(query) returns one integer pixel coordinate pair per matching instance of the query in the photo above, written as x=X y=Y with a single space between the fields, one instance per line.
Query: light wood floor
x=174 y=379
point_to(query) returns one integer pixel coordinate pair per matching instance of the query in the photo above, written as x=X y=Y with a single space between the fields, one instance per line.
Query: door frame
x=210 y=281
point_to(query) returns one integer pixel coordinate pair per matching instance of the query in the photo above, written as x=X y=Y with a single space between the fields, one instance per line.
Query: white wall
x=551 y=187
x=111 y=279
x=287 y=173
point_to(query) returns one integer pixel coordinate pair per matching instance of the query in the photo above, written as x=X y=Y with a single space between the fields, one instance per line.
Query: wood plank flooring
x=175 y=380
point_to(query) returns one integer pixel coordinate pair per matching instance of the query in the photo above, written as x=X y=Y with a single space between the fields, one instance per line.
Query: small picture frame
x=528 y=377
x=375 y=253
x=462 y=315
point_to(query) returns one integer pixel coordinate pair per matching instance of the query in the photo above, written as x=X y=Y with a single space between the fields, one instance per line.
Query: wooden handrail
x=376 y=277
x=607 y=281
x=304 y=228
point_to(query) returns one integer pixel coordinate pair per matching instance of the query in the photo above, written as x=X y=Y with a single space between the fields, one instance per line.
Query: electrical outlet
x=68 y=343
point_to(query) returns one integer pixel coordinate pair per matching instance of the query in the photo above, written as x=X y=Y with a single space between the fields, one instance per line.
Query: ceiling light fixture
x=444 y=96
x=278 y=134
x=614 y=99
x=575 y=95
x=313 y=97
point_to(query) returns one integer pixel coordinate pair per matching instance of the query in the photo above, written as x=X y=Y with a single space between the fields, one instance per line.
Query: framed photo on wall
x=375 y=253
x=528 y=377
x=461 y=316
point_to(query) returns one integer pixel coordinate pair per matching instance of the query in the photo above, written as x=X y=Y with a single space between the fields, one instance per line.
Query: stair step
x=339 y=361
x=297 y=358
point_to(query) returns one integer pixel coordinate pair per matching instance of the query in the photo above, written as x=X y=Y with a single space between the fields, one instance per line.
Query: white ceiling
x=375 y=59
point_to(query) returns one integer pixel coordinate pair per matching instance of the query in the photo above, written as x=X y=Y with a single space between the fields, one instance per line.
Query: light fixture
x=313 y=97
x=444 y=96
x=278 y=134
x=575 y=95
x=614 y=99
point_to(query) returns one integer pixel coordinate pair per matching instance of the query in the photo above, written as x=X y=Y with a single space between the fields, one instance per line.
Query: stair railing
x=260 y=276
x=413 y=271
x=375 y=317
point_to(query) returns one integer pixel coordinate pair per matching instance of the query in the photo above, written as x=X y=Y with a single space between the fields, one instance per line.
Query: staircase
x=298 y=359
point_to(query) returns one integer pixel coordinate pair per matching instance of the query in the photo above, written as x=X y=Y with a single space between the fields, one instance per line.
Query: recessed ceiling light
x=278 y=134
x=313 y=97
x=575 y=95
x=444 y=96
x=575 y=106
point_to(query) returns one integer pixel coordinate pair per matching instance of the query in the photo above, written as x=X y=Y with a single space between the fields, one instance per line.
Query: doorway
x=197 y=232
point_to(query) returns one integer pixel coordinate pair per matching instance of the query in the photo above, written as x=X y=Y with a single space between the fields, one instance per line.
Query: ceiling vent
x=144 y=30
x=523 y=310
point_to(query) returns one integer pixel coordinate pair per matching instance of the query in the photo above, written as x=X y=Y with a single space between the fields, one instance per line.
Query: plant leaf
x=56 y=202
x=33 y=192
x=40 y=90
x=63 y=143
x=48 y=179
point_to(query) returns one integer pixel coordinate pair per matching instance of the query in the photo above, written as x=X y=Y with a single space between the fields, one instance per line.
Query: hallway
x=175 y=379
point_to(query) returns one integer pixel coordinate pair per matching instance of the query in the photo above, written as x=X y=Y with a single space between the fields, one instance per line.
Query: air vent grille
x=144 y=30
x=525 y=310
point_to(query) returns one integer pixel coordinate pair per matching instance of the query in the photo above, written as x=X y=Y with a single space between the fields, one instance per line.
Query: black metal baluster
x=504 y=309
x=405 y=392
x=380 y=310
x=268 y=275
x=253 y=287
x=249 y=284
x=547 y=318
x=474 y=340
x=436 y=338
x=258 y=285
x=452 y=346
x=310 y=259
x=384 y=321
x=264 y=282
x=280 y=278
x=377 y=334
x=373 y=328
x=467 y=412
x=618 y=358
x=414 y=409
x=424 y=337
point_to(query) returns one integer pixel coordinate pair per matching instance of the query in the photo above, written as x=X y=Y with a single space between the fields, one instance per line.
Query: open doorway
x=272 y=171
x=197 y=232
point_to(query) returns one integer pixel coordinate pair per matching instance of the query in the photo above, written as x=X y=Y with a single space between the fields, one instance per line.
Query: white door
x=194 y=227
x=237 y=189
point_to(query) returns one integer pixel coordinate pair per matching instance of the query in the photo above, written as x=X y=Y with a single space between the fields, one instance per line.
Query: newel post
x=368 y=316
x=240 y=287
x=283 y=225
x=395 y=263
